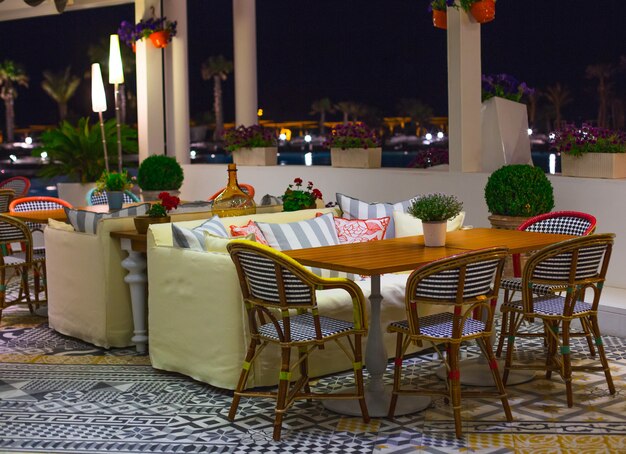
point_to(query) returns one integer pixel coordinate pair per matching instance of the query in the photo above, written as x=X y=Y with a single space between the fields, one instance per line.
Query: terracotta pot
x=440 y=19
x=160 y=39
x=483 y=11
x=143 y=222
x=134 y=48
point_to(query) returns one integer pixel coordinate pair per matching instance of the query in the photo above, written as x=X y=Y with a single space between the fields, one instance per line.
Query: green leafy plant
x=442 y=5
x=519 y=190
x=166 y=203
x=435 y=207
x=467 y=4
x=159 y=172
x=76 y=151
x=114 y=181
x=298 y=198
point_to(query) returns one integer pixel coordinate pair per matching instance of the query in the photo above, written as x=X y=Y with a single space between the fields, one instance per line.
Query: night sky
x=370 y=51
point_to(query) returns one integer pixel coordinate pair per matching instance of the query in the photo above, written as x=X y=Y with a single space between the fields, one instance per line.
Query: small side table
x=136 y=245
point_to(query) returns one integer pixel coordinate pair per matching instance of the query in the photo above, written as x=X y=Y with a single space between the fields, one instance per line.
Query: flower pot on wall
x=434 y=233
x=594 y=165
x=360 y=158
x=160 y=39
x=483 y=11
x=505 y=138
x=261 y=156
x=143 y=222
x=440 y=19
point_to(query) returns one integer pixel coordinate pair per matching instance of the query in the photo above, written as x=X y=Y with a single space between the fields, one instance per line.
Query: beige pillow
x=407 y=225
x=214 y=243
x=58 y=225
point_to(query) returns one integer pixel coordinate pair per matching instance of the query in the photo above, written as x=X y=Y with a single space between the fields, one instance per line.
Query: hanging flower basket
x=483 y=11
x=440 y=19
x=160 y=39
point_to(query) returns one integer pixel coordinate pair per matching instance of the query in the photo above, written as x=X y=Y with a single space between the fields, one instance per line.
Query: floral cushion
x=250 y=227
x=361 y=230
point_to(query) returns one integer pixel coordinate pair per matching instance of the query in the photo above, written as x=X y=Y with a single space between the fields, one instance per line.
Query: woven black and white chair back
x=261 y=277
x=573 y=264
x=19 y=185
x=563 y=222
x=100 y=198
x=6 y=195
x=15 y=231
x=445 y=284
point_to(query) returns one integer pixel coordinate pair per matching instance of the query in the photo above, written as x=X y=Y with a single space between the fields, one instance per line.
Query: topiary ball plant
x=160 y=173
x=519 y=190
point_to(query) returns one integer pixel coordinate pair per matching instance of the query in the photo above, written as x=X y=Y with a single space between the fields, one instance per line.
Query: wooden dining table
x=375 y=258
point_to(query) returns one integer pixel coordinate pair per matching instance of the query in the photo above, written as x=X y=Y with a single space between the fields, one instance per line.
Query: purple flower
x=352 y=135
x=504 y=86
x=588 y=139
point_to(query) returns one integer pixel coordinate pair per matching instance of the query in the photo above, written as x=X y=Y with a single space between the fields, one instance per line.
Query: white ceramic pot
x=434 y=233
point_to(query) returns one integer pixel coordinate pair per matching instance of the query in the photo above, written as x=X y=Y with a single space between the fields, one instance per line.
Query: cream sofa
x=197 y=322
x=87 y=296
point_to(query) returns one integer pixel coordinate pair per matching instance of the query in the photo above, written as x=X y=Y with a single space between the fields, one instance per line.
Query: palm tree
x=349 y=109
x=419 y=112
x=321 y=107
x=11 y=76
x=558 y=96
x=603 y=73
x=217 y=68
x=532 y=107
x=60 y=87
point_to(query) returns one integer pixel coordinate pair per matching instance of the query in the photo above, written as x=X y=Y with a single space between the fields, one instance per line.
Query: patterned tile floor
x=58 y=394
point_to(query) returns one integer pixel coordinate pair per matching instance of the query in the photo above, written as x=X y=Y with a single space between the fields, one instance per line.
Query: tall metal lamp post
x=99 y=104
x=116 y=77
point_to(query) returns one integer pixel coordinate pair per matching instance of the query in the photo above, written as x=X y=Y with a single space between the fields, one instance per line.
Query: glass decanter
x=232 y=201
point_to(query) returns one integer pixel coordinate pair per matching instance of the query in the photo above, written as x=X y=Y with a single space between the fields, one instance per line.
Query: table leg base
x=475 y=372
x=378 y=404
x=42 y=310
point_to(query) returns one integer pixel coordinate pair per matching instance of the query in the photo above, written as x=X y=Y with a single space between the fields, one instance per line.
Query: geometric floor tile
x=61 y=395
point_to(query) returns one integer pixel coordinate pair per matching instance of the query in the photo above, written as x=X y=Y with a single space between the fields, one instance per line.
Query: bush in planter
x=519 y=190
x=160 y=173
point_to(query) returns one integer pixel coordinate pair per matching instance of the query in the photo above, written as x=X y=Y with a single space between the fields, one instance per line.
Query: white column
x=177 y=83
x=464 y=86
x=245 y=70
x=149 y=63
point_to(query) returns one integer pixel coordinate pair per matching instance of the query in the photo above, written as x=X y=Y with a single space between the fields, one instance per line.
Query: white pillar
x=464 y=88
x=245 y=70
x=177 y=83
x=149 y=63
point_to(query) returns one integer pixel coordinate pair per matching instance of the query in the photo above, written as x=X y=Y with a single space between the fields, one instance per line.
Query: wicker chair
x=6 y=195
x=279 y=296
x=100 y=198
x=15 y=266
x=565 y=222
x=464 y=284
x=39 y=203
x=248 y=189
x=21 y=185
x=578 y=265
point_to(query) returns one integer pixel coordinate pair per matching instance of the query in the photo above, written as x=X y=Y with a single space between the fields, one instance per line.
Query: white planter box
x=360 y=158
x=504 y=133
x=594 y=165
x=255 y=156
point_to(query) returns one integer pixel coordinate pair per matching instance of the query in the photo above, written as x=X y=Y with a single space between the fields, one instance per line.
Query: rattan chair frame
x=15 y=266
x=21 y=185
x=557 y=327
x=279 y=313
x=51 y=203
x=6 y=196
x=517 y=271
x=481 y=306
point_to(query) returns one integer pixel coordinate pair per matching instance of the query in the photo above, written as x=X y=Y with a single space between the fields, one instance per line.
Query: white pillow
x=194 y=238
x=213 y=243
x=319 y=231
x=356 y=209
x=87 y=221
x=407 y=225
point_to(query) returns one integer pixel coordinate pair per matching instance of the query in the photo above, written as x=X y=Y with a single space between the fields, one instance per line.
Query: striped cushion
x=194 y=238
x=440 y=325
x=319 y=231
x=515 y=284
x=87 y=221
x=356 y=209
x=303 y=329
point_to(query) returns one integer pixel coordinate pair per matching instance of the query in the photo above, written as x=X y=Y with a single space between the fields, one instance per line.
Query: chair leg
x=358 y=377
x=454 y=384
x=595 y=329
x=495 y=373
x=566 y=357
x=304 y=369
x=243 y=378
x=587 y=330
x=551 y=343
x=515 y=320
x=283 y=390
x=503 y=329
x=397 y=375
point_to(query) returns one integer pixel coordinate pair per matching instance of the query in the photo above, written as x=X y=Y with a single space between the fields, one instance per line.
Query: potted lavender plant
x=251 y=145
x=355 y=145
